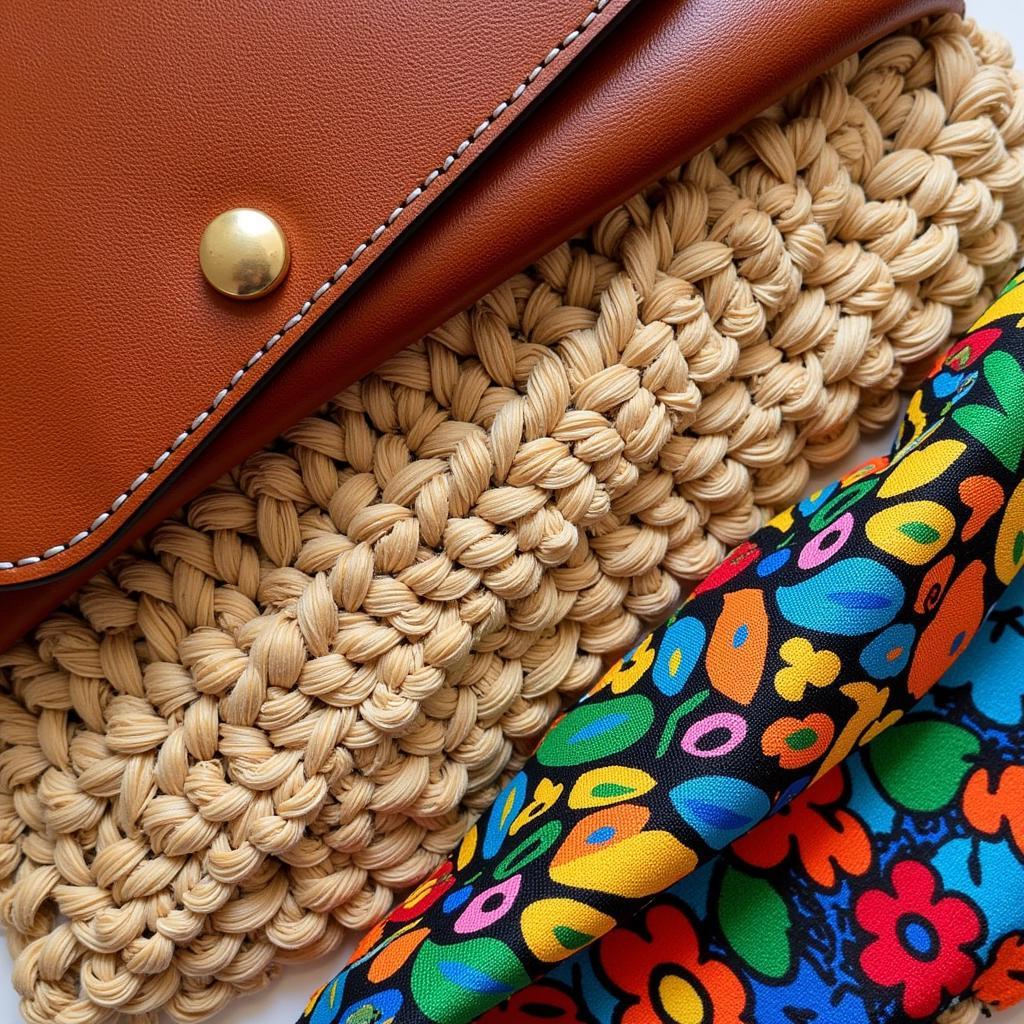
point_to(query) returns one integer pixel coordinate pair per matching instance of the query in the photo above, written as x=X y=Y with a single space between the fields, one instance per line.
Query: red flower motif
x=968 y=350
x=541 y=1001
x=823 y=836
x=729 y=568
x=662 y=967
x=426 y=894
x=920 y=938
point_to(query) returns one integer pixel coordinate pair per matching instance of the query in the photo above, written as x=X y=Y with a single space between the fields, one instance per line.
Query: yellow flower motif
x=545 y=796
x=807 y=667
x=624 y=675
x=782 y=521
x=1009 y=303
x=917 y=421
x=863 y=725
x=467 y=848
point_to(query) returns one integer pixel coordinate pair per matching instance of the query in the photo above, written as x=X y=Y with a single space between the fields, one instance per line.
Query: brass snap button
x=243 y=253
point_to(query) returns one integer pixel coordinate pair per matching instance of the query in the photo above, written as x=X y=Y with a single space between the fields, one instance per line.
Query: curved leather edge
x=343 y=270
x=679 y=76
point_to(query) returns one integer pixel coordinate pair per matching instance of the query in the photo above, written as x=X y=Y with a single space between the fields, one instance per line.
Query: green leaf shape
x=755 y=922
x=458 y=981
x=595 y=730
x=1001 y=432
x=802 y=739
x=673 y=719
x=922 y=764
x=535 y=844
x=921 y=532
x=610 y=789
x=570 y=937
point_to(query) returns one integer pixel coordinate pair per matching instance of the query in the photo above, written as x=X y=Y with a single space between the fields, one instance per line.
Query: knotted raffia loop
x=288 y=703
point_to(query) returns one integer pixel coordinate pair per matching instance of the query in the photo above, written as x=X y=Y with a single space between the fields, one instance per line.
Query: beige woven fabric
x=239 y=741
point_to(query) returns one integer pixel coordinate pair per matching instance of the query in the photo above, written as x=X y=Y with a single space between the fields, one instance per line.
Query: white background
x=282 y=1001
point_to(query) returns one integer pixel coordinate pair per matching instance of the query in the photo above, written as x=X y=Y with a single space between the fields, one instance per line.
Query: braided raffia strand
x=968 y=1011
x=255 y=728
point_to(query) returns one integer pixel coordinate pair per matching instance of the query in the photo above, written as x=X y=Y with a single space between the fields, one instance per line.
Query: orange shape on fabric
x=988 y=807
x=872 y=467
x=798 y=742
x=826 y=839
x=1001 y=984
x=368 y=941
x=739 y=645
x=984 y=497
x=395 y=954
x=933 y=586
x=612 y=823
x=948 y=634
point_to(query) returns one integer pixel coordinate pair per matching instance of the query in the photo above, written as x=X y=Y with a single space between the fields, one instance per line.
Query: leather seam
x=596 y=8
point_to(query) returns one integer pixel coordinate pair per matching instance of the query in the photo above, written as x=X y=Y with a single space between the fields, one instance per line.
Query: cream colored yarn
x=289 y=702
x=969 y=1011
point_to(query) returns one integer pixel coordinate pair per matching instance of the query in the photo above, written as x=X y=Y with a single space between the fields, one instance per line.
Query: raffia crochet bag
x=285 y=704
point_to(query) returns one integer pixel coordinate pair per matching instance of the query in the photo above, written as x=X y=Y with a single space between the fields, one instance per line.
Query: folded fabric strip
x=807 y=641
x=889 y=886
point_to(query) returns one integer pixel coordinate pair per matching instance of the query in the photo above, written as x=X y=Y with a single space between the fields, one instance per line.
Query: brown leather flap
x=125 y=128
x=129 y=383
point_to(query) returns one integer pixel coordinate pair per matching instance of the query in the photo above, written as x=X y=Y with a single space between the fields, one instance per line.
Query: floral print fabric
x=807 y=642
x=886 y=889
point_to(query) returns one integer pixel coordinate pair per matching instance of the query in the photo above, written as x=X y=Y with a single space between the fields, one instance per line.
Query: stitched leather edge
x=239 y=375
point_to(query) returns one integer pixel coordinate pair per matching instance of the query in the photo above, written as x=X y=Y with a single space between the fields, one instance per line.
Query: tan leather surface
x=126 y=127
x=677 y=75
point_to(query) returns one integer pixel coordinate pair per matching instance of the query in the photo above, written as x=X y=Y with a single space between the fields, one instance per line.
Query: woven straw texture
x=969 y=1011
x=279 y=710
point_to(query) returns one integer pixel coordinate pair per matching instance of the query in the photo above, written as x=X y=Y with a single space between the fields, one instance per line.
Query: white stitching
x=597 y=7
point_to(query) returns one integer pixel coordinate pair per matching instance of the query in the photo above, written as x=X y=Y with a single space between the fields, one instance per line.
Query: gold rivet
x=243 y=253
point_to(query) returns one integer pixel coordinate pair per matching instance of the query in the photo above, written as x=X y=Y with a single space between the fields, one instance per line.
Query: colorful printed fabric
x=888 y=887
x=806 y=642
